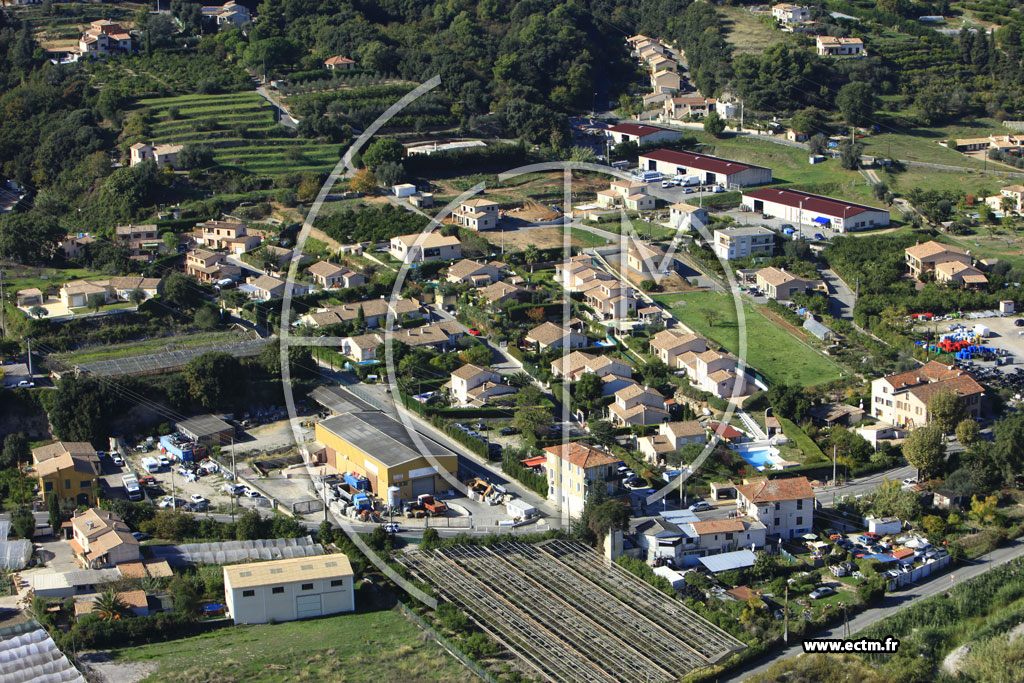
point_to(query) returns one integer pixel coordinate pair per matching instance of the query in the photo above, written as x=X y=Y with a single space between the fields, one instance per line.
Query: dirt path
x=102 y=669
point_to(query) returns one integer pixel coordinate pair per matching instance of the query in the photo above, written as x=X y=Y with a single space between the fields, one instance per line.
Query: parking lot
x=1004 y=335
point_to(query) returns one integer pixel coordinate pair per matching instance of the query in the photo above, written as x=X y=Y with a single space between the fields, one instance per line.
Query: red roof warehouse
x=710 y=169
x=814 y=210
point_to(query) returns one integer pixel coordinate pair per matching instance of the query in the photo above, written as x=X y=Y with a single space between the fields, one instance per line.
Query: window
x=728 y=537
x=248 y=594
x=799 y=520
x=86 y=484
x=307 y=586
x=337 y=582
x=776 y=521
x=277 y=590
x=48 y=486
x=67 y=483
x=800 y=504
x=777 y=505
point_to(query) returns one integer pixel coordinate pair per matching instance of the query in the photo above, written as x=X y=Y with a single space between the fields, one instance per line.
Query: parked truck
x=151 y=465
x=434 y=508
x=357 y=481
x=131 y=487
x=354 y=497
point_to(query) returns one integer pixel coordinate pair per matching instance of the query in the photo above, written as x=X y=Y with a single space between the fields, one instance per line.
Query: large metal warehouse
x=814 y=210
x=709 y=169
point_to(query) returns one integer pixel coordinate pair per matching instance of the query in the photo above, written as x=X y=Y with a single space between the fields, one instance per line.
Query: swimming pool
x=761 y=457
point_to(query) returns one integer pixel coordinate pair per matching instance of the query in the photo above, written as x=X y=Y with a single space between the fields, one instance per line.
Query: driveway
x=55 y=553
x=841 y=299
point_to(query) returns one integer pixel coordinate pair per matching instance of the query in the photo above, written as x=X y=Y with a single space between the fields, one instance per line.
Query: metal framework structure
x=570 y=614
x=168 y=361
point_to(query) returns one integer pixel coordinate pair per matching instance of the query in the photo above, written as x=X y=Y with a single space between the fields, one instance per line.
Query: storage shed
x=286 y=590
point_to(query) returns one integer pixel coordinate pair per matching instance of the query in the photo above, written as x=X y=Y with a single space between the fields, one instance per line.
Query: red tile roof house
x=641 y=134
x=784 y=506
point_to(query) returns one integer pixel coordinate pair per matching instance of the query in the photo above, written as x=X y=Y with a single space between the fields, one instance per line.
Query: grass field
x=746 y=33
x=367 y=646
x=772 y=350
x=265 y=148
x=922 y=144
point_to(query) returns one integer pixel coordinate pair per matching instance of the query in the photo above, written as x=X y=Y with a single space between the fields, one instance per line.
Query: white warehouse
x=709 y=169
x=814 y=210
x=285 y=590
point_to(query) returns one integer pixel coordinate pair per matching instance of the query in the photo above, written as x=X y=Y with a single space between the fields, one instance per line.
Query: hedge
x=474 y=444
x=800 y=438
x=95 y=633
x=511 y=466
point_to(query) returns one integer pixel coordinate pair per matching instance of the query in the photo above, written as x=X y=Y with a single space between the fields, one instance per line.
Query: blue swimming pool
x=760 y=458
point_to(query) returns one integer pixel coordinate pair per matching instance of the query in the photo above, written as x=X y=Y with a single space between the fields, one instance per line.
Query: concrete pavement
x=841 y=299
x=894 y=602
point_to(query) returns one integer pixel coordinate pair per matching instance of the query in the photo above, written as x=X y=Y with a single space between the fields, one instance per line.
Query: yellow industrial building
x=380 y=448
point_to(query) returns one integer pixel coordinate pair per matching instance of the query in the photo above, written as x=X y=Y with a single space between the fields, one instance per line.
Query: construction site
x=571 y=615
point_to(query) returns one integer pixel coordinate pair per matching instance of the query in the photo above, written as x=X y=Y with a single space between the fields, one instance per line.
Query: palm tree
x=109 y=606
x=531 y=255
x=520 y=380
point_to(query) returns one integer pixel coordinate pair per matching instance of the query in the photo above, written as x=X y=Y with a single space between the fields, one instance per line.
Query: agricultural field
x=922 y=144
x=149 y=346
x=365 y=646
x=61 y=26
x=779 y=355
x=240 y=128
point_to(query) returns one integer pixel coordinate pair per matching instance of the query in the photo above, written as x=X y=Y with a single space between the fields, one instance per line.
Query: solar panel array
x=169 y=360
x=230 y=552
x=33 y=657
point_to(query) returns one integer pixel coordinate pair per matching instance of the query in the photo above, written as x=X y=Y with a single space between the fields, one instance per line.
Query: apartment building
x=902 y=399
x=740 y=242
x=573 y=469
x=784 y=506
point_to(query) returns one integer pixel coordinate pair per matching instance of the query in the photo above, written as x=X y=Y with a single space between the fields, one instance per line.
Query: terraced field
x=240 y=128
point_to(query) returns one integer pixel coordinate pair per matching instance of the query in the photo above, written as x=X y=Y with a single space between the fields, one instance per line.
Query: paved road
x=841 y=299
x=900 y=600
x=282 y=114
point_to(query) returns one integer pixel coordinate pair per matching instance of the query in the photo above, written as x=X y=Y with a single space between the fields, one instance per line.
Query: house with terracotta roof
x=671 y=436
x=548 y=335
x=630 y=194
x=925 y=256
x=472 y=385
x=333 y=276
x=832 y=46
x=104 y=37
x=713 y=371
x=572 y=470
x=74 y=245
x=374 y=312
x=666 y=81
x=902 y=399
x=960 y=274
x=610 y=299
x=477 y=214
x=638 y=405
x=162 y=155
x=500 y=292
x=726 y=535
x=339 y=63
x=476 y=273
x=784 y=506
x=100 y=538
x=265 y=287
x=361 y=347
x=668 y=345
x=140 y=241
x=694 y=106
x=69 y=470
x=574 y=365
x=232 y=236
x=780 y=285
x=210 y=266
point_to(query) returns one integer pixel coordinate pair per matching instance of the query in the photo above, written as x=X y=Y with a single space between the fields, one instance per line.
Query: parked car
x=700 y=507
x=140 y=536
x=251 y=493
x=508 y=430
x=116 y=459
x=869 y=538
x=101 y=454
x=197 y=498
x=392 y=527
x=163 y=460
x=475 y=333
x=821 y=592
x=171 y=502
x=232 y=489
x=818 y=236
x=909 y=482
x=25 y=383
x=1019 y=322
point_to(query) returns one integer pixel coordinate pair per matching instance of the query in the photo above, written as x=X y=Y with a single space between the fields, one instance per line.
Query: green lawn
x=368 y=646
x=922 y=144
x=264 y=147
x=772 y=350
x=747 y=33
x=587 y=239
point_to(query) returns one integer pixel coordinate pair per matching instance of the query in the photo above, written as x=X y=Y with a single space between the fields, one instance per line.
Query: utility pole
x=833 y=464
x=785 y=632
x=3 y=319
x=29 y=341
x=323 y=482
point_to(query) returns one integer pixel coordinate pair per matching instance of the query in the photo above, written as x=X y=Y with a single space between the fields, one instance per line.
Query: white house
x=671 y=436
x=784 y=506
x=830 y=46
x=740 y=242
x=548 y=335
x=425 y=247
x=230 y=13
x=477 y=214
x=163 y=155
x=788 y=14
x=814 y=210
x=473 y=385
x=286 y=590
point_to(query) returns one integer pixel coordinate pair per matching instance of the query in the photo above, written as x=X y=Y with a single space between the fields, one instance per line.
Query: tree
x=53 y=507
x=611 y=515
x=531 y=255
x=533 y=421
x=95 y=301
x=206 y=317
x=431 y=539
x=856 y=102
x=850 y=154
x=213 y=378
x=520 y=380
x=808 y=121
x=818 y=144
x=364 y=182
x=15 y=450
x=711 y=316
x=182 y=290
x=195 y=155
x=967 y=432
x=714 y=124
x=602 y=433
x=171 y=242
x=38 y=312
x=934 y=526
x=588 y=388
x=923 y=449
x=871 y=591
x=477 y=354
x=186 y=593
x=529 y=395
x=24 y=523
x=765 y=566
x=250 y=526
x=789 y=402
x=945 y=411
x=381 y=151
x=390 y=173
x=984 y=510
x=80 y=409
x=535 y=314
x=108 y=606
